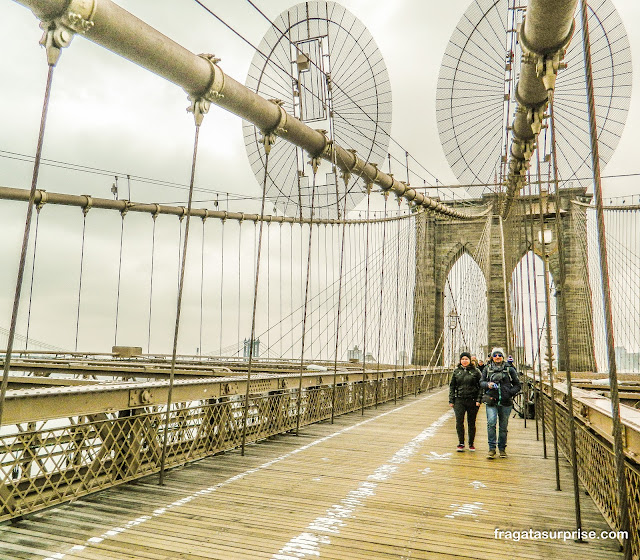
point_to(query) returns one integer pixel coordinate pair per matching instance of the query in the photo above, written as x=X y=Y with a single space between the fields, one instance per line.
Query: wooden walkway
x=385 y=485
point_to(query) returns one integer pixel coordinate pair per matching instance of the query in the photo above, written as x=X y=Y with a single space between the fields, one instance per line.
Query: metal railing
x=47 y=460
x=595 y=452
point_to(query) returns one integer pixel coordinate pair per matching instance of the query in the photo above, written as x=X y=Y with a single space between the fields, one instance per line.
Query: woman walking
x=464 y=398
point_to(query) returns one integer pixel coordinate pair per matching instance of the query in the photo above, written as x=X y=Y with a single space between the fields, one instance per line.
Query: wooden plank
x=372 y=487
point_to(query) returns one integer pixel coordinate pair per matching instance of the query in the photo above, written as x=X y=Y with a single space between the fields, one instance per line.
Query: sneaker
x=460 y=447
x=503 y=454
x=491 y=454
x=472 y=447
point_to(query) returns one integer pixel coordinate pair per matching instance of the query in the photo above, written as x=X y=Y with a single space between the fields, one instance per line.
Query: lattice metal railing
x=597 y=467
x=50 y=462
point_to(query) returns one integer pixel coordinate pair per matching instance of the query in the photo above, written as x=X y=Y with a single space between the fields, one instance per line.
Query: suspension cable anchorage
x=156 y=212
x=58 y=33
x=206 y=216
x=368 y=187
x=199 y=107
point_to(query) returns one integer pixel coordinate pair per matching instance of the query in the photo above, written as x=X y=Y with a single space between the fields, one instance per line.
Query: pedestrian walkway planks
x=384 y=485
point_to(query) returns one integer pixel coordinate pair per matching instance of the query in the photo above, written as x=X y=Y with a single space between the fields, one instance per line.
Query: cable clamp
x=346 y=176
x=547 y=63
x=79 y=15
x=44 y=198
x=88 y=205
x=124 y=211
x=58 y=33
x=269 y=136
x=358 y=164
x=281 y=127
x=216 y=85
x=199 y=107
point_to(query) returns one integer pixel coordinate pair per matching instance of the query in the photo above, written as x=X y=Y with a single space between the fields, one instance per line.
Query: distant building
x=247 y=348
x=354 y=355
x=627 y=361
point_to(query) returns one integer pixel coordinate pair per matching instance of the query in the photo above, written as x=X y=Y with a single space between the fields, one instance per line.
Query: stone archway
x=440 y=241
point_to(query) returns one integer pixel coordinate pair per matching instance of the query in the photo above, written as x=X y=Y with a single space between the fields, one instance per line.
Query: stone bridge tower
x=441 y=242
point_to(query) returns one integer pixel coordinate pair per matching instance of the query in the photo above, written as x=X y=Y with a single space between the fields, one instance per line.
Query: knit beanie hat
x=497 y=349
x=465 y=354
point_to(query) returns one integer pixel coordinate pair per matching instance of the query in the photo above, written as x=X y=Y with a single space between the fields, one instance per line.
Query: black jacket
x=506 y=377
x=465 y=384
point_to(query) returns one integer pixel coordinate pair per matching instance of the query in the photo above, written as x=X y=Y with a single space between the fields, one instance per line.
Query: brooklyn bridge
x=208 y=354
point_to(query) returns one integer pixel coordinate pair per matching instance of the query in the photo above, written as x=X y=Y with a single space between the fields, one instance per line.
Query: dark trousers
x=468 y=406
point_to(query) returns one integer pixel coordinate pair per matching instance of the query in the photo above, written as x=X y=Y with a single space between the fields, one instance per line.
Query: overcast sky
x=107 y=113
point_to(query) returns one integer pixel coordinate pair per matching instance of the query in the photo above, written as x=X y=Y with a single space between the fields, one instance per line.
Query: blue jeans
x=493 y=413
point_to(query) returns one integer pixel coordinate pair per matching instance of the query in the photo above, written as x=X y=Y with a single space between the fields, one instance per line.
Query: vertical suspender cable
x=530 y=252
x=115 y=333
x=384 y=245
x=25 y=241
x=562 y=302
x=397 y=306
x=306 y=298
x=153 y=250
x=268 y=284
x=504 y=287
x=366 y=298
x=280 y=284
x=178 y=308
x=521 y=356
x=604 y=271
x=240 y=344
x=404 y=325
x=539 y=393
x=84 y=227
x=547 y=299
x=33 y=271
x=340 y=277
x=245 y=410
x=222 y=227
x=204 y=218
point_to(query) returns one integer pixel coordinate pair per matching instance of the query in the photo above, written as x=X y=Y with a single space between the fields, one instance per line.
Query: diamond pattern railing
x=50 y=462
x=597 y=468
